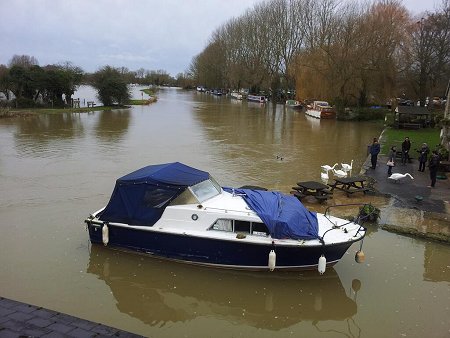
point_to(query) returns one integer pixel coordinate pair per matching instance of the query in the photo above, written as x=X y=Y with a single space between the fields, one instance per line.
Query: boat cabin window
x=198 y=193
x=205 y=190
x=254 y=228
x=186 y=197
x=259 y=229
x=242 y=226
x=223 y=225
x=157 y=198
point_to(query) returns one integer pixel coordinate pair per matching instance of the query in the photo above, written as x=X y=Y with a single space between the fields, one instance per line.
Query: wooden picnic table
x=318 y=190
x=350 y=185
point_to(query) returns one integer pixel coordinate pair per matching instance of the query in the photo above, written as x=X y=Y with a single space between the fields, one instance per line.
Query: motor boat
x=177 y=212
x=320 y=110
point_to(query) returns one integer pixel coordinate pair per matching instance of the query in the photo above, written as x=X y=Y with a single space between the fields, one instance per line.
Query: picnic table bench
x=319 y=191
x=410 y=125
x=350 y=185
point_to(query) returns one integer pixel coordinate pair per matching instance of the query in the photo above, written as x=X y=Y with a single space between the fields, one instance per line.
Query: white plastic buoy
x=272 y=260
x=322 y=264
x=105 y=234
x=360 y=257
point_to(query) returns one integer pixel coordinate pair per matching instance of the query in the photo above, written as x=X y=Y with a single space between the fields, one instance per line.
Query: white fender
x=322 y=264
x=105 y=234
x=272 y=260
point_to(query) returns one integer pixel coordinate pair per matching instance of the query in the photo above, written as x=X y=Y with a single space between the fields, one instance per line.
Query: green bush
x=362 y=113
x=369 y=213
x=111 y=86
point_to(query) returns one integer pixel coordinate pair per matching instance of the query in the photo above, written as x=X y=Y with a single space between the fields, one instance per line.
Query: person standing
x=391 y=160
x=423 y=156
x=433 y=165
x=374 y=150
x=406 y=145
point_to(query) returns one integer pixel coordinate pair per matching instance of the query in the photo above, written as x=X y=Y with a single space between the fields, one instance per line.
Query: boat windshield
x=205 y=190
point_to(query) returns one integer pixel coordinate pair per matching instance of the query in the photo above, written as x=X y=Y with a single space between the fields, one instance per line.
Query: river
x=56 y=169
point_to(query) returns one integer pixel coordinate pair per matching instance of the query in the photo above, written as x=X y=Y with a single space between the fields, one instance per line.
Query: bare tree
x=25 y=61
x=430 y=52
x=386 y=29
x=351 y=52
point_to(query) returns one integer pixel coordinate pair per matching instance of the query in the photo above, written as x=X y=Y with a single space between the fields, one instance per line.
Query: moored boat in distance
x=320 y=110
x=236 y=95
x=181 y=213
x=257 y=98
x=294 y=104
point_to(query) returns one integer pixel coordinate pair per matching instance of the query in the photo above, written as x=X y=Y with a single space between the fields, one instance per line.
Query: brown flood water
x=56 y=169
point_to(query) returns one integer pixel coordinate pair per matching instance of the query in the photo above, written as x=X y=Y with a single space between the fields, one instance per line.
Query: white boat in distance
x=320 y=110
x=257 y=98
x=236 y=95
x=181 y=213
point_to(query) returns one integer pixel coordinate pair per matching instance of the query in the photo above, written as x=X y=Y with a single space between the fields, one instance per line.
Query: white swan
x=327 y=167
x=347 y=167
x=340 y=173
x=398 y=176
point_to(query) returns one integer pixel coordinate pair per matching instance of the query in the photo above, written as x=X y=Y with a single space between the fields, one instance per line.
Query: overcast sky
x=163 y=34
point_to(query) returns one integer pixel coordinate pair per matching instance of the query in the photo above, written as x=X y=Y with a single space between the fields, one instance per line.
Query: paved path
x=405 y=190
x=23 y=320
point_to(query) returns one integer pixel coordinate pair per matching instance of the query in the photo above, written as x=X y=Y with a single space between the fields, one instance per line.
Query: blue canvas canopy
x=284 y=215
x=140 y=197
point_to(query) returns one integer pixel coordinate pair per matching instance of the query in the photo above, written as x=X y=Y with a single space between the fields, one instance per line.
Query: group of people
x=433 y=162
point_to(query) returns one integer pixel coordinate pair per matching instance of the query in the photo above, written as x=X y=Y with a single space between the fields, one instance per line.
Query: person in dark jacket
x=423 y=156
x=374 y=150
x=406 y=145
x=433 y=165
x=391 y=159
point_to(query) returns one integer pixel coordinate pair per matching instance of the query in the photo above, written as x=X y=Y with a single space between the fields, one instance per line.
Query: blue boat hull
x=235 y=254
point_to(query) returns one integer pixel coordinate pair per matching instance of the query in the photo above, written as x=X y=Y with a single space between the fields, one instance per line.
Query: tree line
x=25 y=84
x=350 y=53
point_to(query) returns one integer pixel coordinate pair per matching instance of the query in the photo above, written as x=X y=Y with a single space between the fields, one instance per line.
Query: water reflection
x=157 y=292
x=40 y=127
x=36 y=135
x=112 y=125
x=435 y=256
x=313 y=122
x=249 y=138
x=49 y=187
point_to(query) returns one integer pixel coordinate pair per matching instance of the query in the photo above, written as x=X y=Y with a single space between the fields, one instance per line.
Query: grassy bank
x=149 y=91
x=395 y=137
x=30 y=111
x=143 y=102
